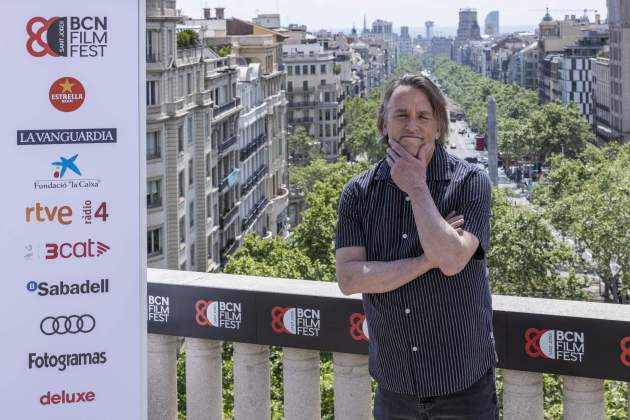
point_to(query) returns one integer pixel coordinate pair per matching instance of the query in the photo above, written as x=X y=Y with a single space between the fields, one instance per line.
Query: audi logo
x=72 y=324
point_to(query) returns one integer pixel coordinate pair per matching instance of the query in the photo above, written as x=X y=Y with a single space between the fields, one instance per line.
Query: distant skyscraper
x=429 y=25
x=619 y=22
x=405 y=44
x=468 y=28
x=492 y=23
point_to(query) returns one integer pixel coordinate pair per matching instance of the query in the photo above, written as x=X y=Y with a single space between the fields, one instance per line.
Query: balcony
x=224 y=146
x=253 y=180
x=280 y=202
x=254 y=213
x=218 y=110
x=229 y=180
x=301 y=120
x=307 y=104
x=229 y=216
x=172 y=108
x=604 y=327
x=252 y=147
x=227 y=250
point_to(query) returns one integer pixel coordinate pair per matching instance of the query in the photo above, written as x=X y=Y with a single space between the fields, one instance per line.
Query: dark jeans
x=479 y=402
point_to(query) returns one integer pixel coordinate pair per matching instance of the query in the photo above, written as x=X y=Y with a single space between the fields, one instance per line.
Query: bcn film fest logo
x=219 y=314
x=555 y=344
x=359 y=327
x=624 y=344
x=296 y=321
x=71 y=36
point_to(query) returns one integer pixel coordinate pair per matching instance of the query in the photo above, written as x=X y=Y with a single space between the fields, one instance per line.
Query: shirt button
x=404 y=236
x=407 y=198
x=414 y=348
x=407 y=310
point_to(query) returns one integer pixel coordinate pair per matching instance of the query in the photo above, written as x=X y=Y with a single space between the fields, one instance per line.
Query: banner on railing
x=566 y=345
x=73 y=282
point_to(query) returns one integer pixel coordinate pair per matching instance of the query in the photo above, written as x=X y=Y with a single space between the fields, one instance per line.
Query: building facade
x=619 y=21
x=491 y=26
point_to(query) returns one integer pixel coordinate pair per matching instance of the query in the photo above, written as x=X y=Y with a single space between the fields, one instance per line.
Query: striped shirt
x=432 y=336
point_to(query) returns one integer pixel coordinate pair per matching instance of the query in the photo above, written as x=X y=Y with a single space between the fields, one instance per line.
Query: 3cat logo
x=215 y=313
x=296 y=321
x=71 y=36
x=66 y=94
x=83 y=249
x=555 y=344
x=625 y=351
x=359 y=327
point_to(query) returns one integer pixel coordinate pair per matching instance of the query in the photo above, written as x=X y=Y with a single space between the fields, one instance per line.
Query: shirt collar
x=439 y=168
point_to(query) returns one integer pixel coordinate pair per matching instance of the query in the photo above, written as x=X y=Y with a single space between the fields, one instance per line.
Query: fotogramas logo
x=72 y=36
x=66 y=94
x=65 y=174
x=296 y=321
x=159 y=308
x=61 y=362
x=219 y=314
x=555 y=344
x=359 y=327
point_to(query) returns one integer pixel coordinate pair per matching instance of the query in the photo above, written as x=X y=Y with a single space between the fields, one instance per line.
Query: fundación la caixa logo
x=296 y=321
x=70 y=36
x=218 y=314
x=555 y=344
x=64 y=176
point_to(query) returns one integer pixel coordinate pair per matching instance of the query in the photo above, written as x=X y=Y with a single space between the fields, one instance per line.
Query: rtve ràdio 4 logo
x=63 y=214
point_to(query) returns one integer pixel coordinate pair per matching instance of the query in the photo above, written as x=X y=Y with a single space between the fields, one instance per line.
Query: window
x=154 y=193
x=180 y=184
x=182 y=229
x=154 y=242
x=290 y=86
x=191 y=214
x=208 y=206
x=180 y=139
x=322 y=69
x=180 y=85
x=312 y=68
x=305 y=69
x=327 y=115
x=326 y=96
x=190 y=172
x=305 y=85
x=154 y=148
x=188 y=83
x=297 y=70
x=290 y=70
x=207 y=126
x=189 y=129
x=192 y=255
x=152 y=92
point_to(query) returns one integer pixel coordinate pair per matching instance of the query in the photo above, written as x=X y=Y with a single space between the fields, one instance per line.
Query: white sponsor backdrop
x=114 y=174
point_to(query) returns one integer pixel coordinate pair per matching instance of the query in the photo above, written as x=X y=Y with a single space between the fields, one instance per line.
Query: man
x=420 y=268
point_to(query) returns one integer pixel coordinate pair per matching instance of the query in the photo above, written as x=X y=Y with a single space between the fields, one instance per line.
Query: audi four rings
x=72 y=324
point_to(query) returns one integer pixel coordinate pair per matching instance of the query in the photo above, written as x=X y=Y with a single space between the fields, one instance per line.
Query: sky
x=342 y=14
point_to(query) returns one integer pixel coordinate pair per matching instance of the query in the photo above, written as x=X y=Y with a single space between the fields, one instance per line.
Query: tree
x=303 y=148
x=362 y=135
x=187 y=38
x=525 y=259
x=588 y=199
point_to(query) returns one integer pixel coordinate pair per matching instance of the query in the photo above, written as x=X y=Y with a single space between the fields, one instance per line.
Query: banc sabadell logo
x=70 y=36
x=296 y=321
x=555 y=344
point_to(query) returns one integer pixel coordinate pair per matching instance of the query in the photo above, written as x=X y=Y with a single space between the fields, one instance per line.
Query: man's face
x=410 y=121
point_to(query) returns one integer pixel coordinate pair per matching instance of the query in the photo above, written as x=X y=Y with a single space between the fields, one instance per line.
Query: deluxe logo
x=88 y=287
x=62 y=168
x=82 y=249
x=66 y=136
x=555 y=344
x=159 y=308
x=67 y=397
x=66 y=94
x=63 y=361
x=71 y=36
x=296 y=321
x=63 y=214
x=359 y=327
x=219 y=314
x=624 y=344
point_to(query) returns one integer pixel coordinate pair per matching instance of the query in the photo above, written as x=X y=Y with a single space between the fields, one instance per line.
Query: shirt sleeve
x=350 y=230
x=477 y=209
